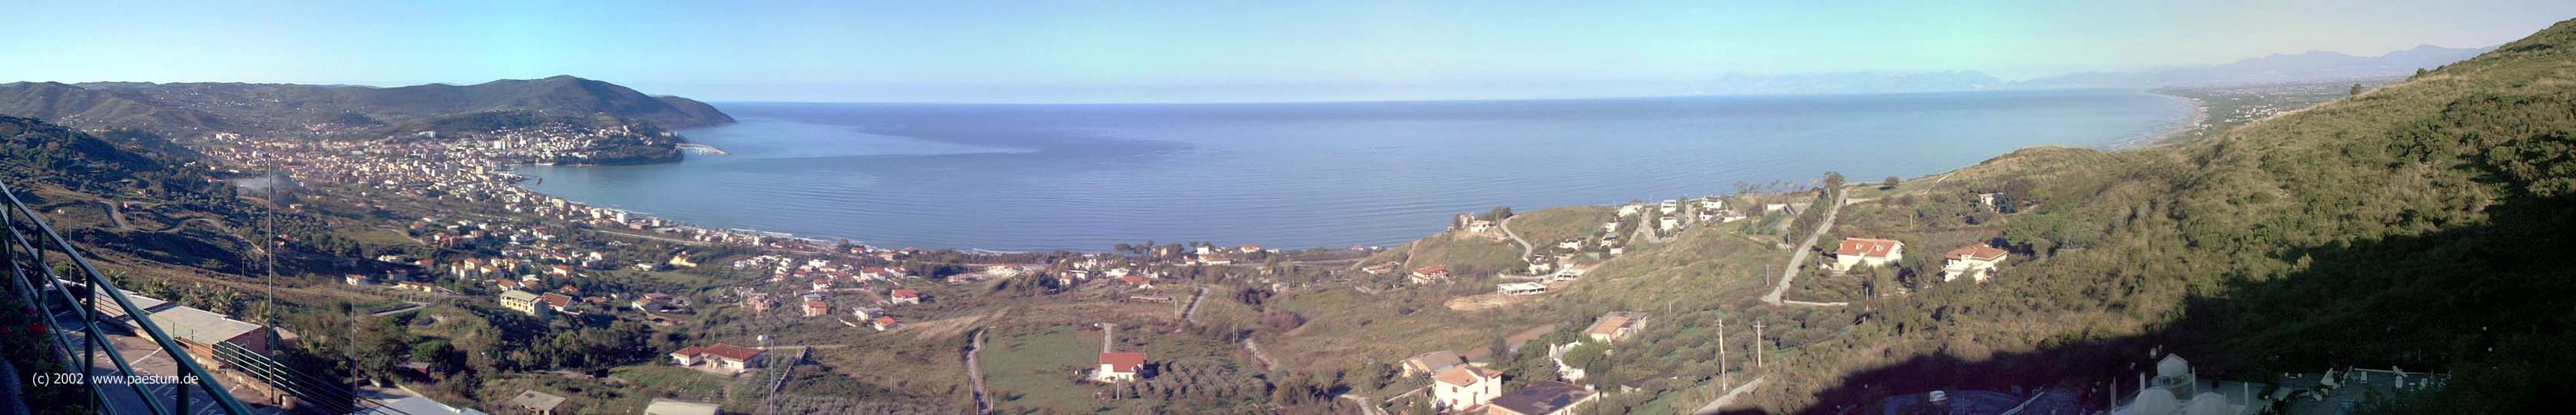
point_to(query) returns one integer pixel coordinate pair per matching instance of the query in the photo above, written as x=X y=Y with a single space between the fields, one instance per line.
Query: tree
x=2356 y=89
x=1890 y=183
x=1833 y=181
x=1499 y=213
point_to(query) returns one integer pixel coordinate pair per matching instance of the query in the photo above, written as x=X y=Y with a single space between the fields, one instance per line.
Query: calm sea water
x=1085 y=177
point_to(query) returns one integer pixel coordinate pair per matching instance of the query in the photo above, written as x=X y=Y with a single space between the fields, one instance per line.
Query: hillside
x=183 y=109
x=2408 y=227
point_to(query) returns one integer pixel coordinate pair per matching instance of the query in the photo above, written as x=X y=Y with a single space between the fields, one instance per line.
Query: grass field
x=1546 y=226
x=659 y=377
x=1030 y=370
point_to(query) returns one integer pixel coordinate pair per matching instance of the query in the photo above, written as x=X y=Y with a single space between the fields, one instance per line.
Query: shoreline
x=2172 y=135
x=2165 y=136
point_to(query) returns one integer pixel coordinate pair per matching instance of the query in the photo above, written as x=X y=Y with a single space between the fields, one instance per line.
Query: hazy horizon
x=1185 y=52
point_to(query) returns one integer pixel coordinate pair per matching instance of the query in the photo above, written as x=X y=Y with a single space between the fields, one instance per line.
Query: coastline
x=2175 y=134
x=2158 y=131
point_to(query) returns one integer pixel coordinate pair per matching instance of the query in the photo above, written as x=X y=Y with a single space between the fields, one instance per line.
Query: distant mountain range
x=2311 y=66
x=180 y=109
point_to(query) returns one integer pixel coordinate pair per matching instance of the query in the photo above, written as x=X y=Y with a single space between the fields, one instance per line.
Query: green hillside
x=188 y=109
x=2411 y=226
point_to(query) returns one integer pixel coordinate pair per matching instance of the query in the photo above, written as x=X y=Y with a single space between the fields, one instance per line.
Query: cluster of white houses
x=1978 y=262
x=1465 y=385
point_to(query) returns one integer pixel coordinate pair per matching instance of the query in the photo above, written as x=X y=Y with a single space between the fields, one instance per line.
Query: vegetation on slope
x=2409 y=226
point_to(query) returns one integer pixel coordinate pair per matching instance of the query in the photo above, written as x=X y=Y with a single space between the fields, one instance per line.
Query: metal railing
x=33 y=250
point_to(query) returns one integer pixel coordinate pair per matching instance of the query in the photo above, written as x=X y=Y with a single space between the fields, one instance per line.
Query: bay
x=1088 y=176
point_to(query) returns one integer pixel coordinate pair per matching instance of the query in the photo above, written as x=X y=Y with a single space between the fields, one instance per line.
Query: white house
x=1462 y=388
x=1521 y=288
x=1119 y=367
x=1615 y=326
x=1976 y=261
x=1867 y=251
x=722 y=357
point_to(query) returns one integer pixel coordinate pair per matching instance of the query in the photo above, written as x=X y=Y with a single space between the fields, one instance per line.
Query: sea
x=1084 y=177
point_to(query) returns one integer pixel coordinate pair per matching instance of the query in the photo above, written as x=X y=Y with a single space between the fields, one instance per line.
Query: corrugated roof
x=537 y=400
x=200 y=326
x=671 y=407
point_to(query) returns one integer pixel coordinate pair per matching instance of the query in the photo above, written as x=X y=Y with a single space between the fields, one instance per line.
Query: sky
x=1194 y=50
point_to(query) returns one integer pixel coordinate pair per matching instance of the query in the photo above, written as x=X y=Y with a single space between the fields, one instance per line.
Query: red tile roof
x=906 y=293
x=559 y=300
x=731 y=352
x=1979 y=252
x=1866 y=247
x=1435 y=269
x=1122 y=362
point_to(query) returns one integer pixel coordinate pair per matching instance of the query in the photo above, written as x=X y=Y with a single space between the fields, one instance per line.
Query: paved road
x=415 y=305
x=1255 y=347
x=1729 y=397
x=1191 y=313
x=975 y=375
x=118 y=213
x=1789 y=272
x=1526 y=249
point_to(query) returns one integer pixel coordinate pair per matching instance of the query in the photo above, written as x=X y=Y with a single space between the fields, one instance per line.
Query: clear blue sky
x=1190 y=50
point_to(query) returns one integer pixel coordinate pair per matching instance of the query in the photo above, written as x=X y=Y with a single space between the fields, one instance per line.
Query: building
x=1431 y=274
x=759 y=302
x=558 y=302
x=817 y=308
x=1119 y=367
x=1521 y=288
x=1866 y=251
x=1544 y=397
x=905 y=296
x=523 y=302
x=540 y=403
x=883 y=323
x=1433 y=362
x=1615 y=326
x=682 y=260
x=200 y=332
x=722 y=357
x=671 y=407
x=1463 y=388
x=1977 y=261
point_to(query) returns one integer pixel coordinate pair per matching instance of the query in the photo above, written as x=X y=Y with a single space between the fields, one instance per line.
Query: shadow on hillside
x=2467 y=297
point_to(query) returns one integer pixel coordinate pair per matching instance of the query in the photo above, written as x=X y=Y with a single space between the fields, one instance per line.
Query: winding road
x=975 y=375
x=1789 y=272
x=1526 y=248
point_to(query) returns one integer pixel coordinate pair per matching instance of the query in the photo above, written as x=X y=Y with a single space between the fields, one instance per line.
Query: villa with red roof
x=1976 y=261
x=1431 y=274
x=1867 y=251
x=720 y=357
x=1119 y=367
x=905 y=296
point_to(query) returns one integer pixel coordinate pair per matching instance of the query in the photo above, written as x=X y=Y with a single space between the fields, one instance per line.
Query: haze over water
x=1085 y=177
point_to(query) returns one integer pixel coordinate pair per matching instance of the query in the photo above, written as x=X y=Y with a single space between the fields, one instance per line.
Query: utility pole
x=1757 y=345
x=1721 y=353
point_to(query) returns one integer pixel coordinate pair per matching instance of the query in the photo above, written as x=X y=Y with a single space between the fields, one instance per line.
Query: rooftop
x=536 y=400
x=1542 y=397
